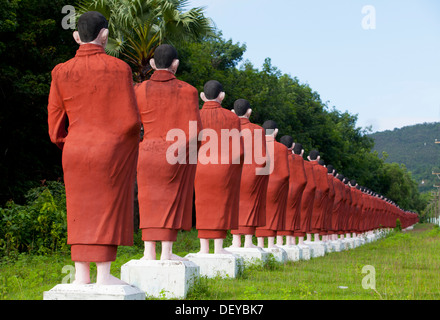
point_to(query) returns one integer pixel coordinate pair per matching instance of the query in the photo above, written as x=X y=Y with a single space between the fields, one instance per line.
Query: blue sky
x=389 y=76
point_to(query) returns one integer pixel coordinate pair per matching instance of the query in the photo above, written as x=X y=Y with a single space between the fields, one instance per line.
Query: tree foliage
x=299 y=112
x=137 y=27
x=32 y=42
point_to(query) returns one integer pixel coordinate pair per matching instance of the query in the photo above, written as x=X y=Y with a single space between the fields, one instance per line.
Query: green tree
x=137 y=27
x=32 y=42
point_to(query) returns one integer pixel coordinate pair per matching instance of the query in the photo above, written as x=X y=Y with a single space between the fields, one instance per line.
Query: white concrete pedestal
x=279 y=254
x=317 y=248
x=371 y=238
x=293 y=252
x=250 y=255
x=169 y=279
x=217 y=265
x=328 y=248
x=349 y=243
x=93 y=292
x=337 y=245
x=358 y=242
x=305 y=252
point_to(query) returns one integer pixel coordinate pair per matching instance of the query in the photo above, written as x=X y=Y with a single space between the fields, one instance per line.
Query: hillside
x=415 y=147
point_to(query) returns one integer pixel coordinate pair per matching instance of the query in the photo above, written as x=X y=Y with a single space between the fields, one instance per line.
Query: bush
x=39 y=226
x=398 y=225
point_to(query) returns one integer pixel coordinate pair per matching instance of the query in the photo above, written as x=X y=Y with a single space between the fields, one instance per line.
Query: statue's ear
x=76 y=37
x=153 y=64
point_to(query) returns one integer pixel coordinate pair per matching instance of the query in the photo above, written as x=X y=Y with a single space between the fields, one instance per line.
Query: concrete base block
x=169 y=279
x=371 y=238
x=317 y=247
x=217 y=265
x=293 y=252
x=328 y=248
x=250 y=255
x=305 y=252
x=93 y=292
x=358 y=242
x=279 y=254
x=349 y=243
x=337 y=245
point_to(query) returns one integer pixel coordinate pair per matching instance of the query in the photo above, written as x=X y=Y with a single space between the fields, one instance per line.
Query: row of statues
x=257 y=187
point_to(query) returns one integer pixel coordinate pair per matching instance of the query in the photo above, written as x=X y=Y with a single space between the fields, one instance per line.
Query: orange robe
x=277 y=191
x=297 y=183
x=217 y=185
x=338 y=205
x=307 y=201
x=321 y=197
x=253 y=187
x=329 y=211
x=346 y=213
x=95 y=92
x=169 y=110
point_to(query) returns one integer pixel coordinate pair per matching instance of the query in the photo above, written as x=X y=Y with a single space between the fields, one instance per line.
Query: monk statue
x=169 y=108
x=253 y=186
x=218 y=175
x=297 y=183
x=321 y=194
x=331 y=200
x=95 y=93
x=306 y=203
x=277 y=189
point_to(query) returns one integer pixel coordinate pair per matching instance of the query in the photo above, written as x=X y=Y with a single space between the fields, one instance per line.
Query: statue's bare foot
x=222 y=251
x=173 y=257
x=148 y=256
x=78 y=282
x=110 y=280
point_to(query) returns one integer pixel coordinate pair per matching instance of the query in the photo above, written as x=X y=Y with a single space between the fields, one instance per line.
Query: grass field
x=405 y=264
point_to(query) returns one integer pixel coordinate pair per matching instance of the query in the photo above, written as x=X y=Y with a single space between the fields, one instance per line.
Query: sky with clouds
x=379 y=59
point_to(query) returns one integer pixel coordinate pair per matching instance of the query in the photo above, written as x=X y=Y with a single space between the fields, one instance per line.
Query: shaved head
x=241 y=106
x=90 y=24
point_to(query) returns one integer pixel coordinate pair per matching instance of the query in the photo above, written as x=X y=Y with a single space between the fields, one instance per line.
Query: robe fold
x=347 y=209
x=321 y=197
x=253 y=187
x=277 y=191
x=169 y=110
x=297 y=183
x=338 y=205
x=100 y=147
x=328 y=228
x=218 y=174
x=307 y=199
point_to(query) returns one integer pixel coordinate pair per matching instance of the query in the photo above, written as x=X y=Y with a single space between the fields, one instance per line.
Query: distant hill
x=415 y=147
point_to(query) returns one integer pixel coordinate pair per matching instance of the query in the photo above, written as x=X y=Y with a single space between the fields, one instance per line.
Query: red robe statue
x=169 y=110
x=321 y=197
x=100 y=148
x=297 y=184
x=217 y=186
x=328 y=228
x=253 y=187
x=277 y=191
x=307 y=199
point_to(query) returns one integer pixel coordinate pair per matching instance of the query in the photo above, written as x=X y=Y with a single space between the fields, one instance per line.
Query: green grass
x=406 y=266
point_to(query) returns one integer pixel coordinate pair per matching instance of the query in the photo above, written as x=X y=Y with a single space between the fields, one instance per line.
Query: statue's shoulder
x=186 y=86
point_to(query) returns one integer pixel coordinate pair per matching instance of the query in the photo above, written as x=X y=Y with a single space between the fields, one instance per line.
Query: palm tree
x=137 y=27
